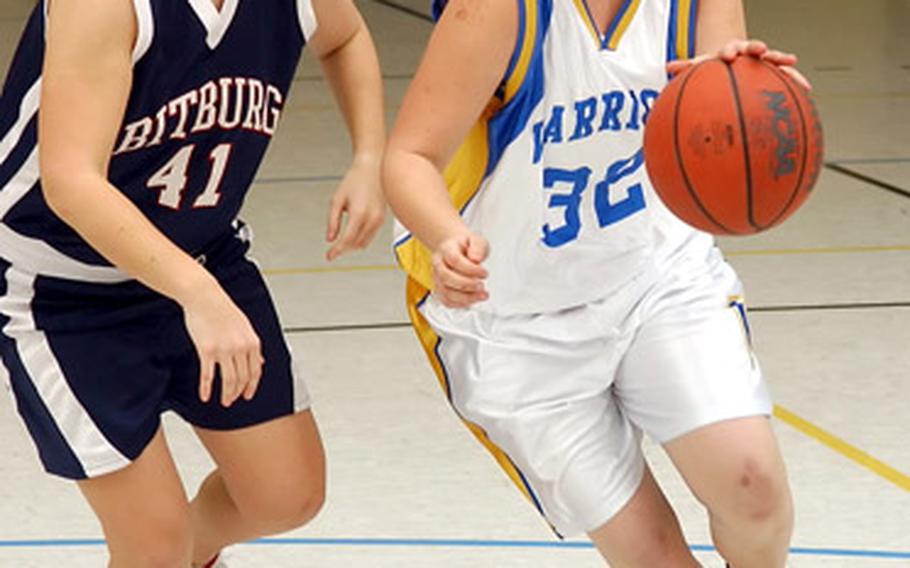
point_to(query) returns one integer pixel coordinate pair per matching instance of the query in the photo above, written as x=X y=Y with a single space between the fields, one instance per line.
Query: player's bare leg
x=736 y=470
x=143 y=511
x=644 y=533
x=270 y=479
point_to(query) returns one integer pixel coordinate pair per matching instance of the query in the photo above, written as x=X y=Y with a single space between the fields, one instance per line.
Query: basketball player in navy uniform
x=130 y=131
x=564 y=309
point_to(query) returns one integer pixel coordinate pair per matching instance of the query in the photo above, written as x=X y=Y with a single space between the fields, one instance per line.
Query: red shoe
x=215 y=562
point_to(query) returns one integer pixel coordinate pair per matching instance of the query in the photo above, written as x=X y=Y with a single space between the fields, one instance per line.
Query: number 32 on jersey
x=608 y=208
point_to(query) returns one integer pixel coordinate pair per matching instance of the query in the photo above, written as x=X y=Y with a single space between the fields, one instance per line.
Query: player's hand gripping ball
x=733 y=148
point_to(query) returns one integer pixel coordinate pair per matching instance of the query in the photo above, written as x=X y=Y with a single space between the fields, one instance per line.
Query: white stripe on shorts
x=96 y=454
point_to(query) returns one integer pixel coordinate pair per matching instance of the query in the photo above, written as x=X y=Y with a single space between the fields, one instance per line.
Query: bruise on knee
x=759 y=494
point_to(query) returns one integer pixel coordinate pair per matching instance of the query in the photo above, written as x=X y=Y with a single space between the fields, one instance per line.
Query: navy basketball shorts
x=93 y=366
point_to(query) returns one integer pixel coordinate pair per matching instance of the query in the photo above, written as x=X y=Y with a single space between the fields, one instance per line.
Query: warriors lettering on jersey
x=228 y=104
x=607 y=112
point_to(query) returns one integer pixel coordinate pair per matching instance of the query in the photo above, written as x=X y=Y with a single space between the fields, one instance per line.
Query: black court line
x=842 y=161
x=834 y=68
x=868 y=179
x=347 y=327
x=830 y=307
x=410 y=11
x=296 y=179
x=758 y=309
x=388 y=77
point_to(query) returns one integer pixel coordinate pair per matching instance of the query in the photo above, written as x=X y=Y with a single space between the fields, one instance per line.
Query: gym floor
x=408 y=485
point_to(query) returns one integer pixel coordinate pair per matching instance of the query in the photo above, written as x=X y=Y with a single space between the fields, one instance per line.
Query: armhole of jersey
x=525 y=44
x=145 y=28
x=682 y=29
x=307 y=17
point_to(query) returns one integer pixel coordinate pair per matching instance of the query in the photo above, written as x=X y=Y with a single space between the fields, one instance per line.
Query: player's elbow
x=54 y=185
x=60 y=183
x=396 y=162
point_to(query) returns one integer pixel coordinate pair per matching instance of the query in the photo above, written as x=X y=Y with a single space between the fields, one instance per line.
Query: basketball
x=733 y=148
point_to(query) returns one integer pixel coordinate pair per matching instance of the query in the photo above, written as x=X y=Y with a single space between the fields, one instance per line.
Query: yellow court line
x=328 y=269
x=818 y=250
x=757 y=252
x=855 y=454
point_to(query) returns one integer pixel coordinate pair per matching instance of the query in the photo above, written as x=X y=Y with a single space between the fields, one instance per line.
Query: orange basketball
x=733 y=148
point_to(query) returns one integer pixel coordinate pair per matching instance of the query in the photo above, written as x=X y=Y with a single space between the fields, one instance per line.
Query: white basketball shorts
x=565 y=396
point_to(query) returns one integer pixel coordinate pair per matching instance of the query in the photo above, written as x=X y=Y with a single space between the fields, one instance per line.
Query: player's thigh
x=143 y=507
x=735 y=468
x=691 y=381
x=275 y=470
x=691 y=362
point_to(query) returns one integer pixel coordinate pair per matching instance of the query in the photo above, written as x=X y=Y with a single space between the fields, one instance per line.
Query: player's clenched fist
x=458 y=272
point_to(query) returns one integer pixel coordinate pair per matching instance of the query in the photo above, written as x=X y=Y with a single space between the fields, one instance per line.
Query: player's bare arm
x=465 y=61
x=721 y=32
x=348 y=58
x=87 y=78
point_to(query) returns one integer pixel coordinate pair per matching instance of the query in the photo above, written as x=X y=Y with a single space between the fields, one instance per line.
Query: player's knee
x=162 y=543
x=760 y=496
x=282 y=508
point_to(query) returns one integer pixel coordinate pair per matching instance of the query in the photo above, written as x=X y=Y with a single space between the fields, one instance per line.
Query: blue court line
x=453 y=543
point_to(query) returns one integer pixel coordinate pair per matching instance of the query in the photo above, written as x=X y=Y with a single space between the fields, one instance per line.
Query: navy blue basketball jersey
x=208 y=89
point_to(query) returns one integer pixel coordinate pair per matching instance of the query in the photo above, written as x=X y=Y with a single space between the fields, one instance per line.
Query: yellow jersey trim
x=683 y=27
x=586 y=17
x=416 y=294
x=625 y=20
x=528 y=34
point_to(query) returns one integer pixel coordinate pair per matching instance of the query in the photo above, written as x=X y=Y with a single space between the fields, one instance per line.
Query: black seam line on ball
x=678 y=152
x=745 y=137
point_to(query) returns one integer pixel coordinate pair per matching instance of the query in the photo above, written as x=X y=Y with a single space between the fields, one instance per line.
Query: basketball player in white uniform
x=565 y=310
x=125 y=290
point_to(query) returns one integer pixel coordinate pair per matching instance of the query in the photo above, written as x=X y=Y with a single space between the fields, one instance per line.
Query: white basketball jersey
x=553 y=172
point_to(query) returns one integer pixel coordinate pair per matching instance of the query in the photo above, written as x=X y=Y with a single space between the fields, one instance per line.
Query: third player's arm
x=348 y=57
x=86 y=85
